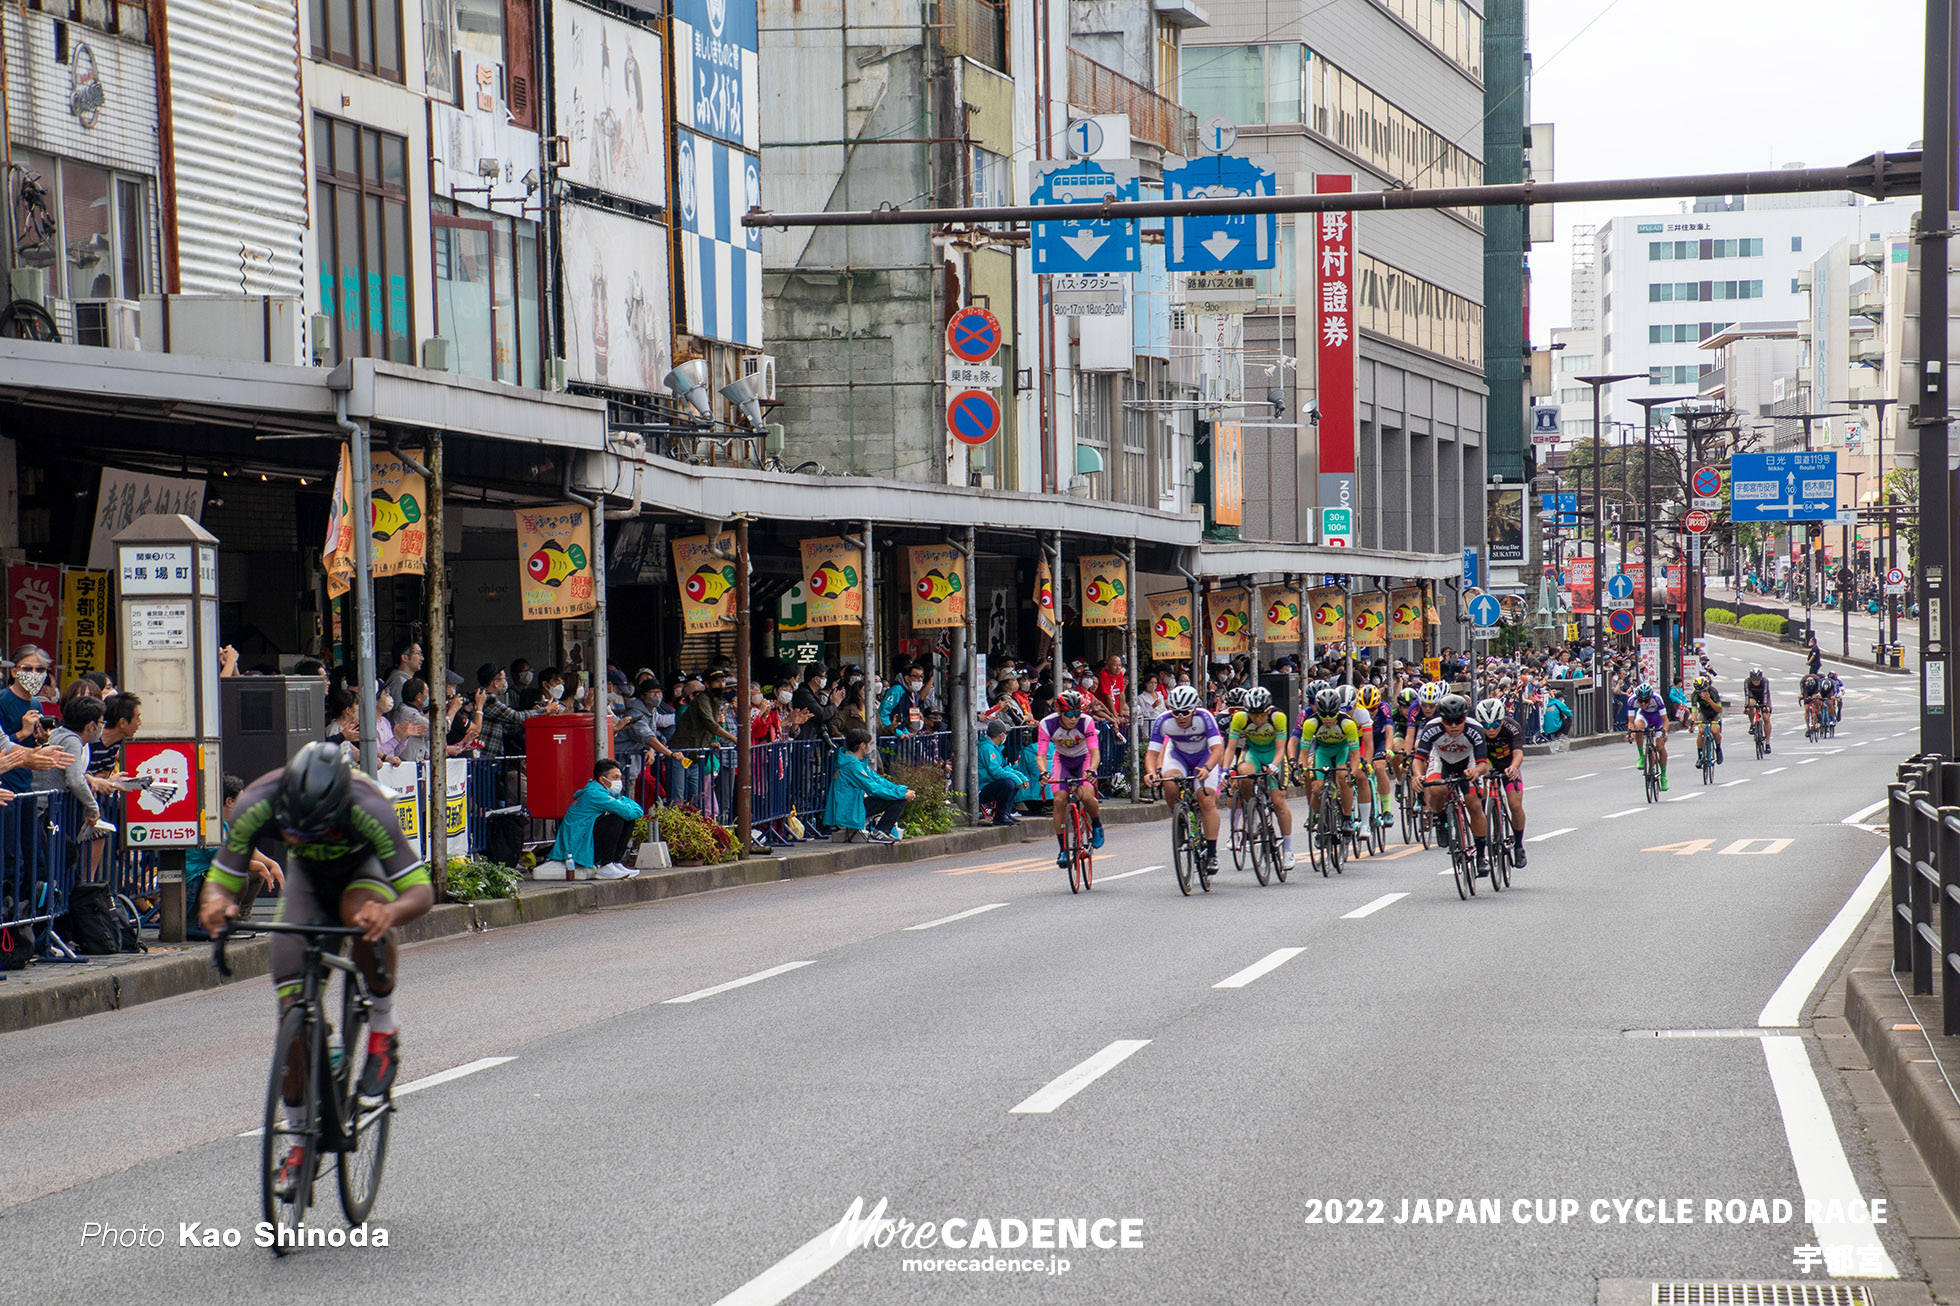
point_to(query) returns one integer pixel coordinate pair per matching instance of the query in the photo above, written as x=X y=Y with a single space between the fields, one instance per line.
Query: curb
x=1572 y=745
x=45 y=995
x=1874 y=1009
x=1747 y=636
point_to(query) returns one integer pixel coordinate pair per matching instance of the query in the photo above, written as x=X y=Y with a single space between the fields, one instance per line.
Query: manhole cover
x=1759 y=1294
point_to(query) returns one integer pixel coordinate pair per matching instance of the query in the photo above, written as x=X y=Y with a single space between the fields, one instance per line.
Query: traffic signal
x=1816 y=531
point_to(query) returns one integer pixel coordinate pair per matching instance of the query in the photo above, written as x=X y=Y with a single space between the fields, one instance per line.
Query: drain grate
x=1759 y=1294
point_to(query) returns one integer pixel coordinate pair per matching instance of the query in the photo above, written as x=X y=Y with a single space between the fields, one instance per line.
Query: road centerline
x=1072 y=1081
x=1386 y=900
x=743 y=982
x=957 y=916
x=1266 y=965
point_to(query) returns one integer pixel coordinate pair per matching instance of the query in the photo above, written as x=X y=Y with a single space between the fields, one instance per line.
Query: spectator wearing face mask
x=901 y=711
x=814 y=696
x=25 y=714
x=599 y=825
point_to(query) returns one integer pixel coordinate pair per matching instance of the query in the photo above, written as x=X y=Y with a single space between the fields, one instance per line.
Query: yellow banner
x=554 y=561
x=707 y=582
x=1329 y=614
x=1405 y=615
x=1170 y=625
x=1432 y=668
x=1105 y=596
x=833 y=582
x=1231 y=624
x=1371 y=620
x=1429 y=603
x=337 y=553
x=1044 y=598
x=396 y=498
x=938 y=586
x=85 y=614
x=1281 y=604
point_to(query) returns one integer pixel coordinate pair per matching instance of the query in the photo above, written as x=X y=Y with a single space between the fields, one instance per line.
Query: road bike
x=1077 y=836
x=1188 y=838
x=330 y=1117
x=1756 y=733
x=1813 y=719
x=1408 y=797
x=1456 y=834
x=1705 y=751
x=1497 y=819
x=1654 y=770
x=1332 y=831
x=1255 y=831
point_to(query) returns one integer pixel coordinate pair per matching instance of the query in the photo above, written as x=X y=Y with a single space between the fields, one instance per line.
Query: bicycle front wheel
x=290 y=1055
x=1184 y=855
x=361 y=1165
x=1264 y=849
x=1241 y=837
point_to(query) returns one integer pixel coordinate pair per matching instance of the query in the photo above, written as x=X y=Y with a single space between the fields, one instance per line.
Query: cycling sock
x=292 y=1114
x=1211 y=847
x=381 y=1014
x=1061 y=842
x=1286 y=842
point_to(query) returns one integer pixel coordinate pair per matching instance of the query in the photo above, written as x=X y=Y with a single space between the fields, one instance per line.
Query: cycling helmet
x=1703 y=682
x=1406 y=697
x=1327 y=703
x=1314 y=687
x=1755 y=675
x=1431 y=694
x=1068 y=703
x=1347 y=696
x=1184 y=699
x=1235 y=698
x=1645 y=692
x=1490 y=711
x=1258 y=699
x=315 y=791
x=1454 y=707
x=1369 y=697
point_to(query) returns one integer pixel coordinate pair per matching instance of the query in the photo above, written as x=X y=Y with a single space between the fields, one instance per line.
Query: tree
x=1902 y=488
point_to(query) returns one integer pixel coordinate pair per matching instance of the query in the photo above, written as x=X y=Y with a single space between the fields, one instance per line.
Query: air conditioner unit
x=109 y=323
x=762 y=367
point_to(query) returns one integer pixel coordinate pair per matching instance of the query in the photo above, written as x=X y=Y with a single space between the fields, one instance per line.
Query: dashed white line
x=1861 y=743
x=1730 y=784
x=1550 y=834
x=1385 y=900
x=1686 y=798
x=1529 y=788
x=1807 y=761
x=1070 y=1082
x=756 y=978
x=1587 y=776
x=1774 y=769
x=958 y=916
x=1266 y=965
x=427 y=1081
x=1141 y=870
x=1614 y=816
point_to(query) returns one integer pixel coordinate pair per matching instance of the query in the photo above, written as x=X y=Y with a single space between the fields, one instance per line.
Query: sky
x=1641 y=88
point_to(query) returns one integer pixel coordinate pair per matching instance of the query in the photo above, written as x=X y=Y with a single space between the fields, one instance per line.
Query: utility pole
x=1647 y=623
x=1935 y=553
x=1878 y=434
x=1599 y=383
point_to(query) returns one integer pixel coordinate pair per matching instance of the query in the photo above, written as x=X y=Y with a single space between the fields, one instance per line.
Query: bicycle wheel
x=290 y=1049
x=1072 y=845
x=1316 y=841
x=1263 y=851
x=1465 y=846
x=1241 y=851
x=1085 y=852
x=1377 y=832
x=1273 y=849
x=1498 y=842
x=1184 y=854
x=1407 y=807
x=1340 y=829
x=1465 y=871
x=361 y=1165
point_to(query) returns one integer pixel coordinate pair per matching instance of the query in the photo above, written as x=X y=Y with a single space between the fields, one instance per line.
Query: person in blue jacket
x=999 y=782
x=599 y=824
x=860 y=798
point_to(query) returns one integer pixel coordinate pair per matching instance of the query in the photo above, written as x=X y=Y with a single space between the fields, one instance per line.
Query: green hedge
x=1722 y=615
x=1769 y=625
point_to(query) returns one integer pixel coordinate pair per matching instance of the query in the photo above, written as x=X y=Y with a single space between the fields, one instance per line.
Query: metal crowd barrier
x=1924 y=832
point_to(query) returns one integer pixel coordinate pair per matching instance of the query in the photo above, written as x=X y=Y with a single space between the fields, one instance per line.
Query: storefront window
x=86 y=225
x=487 y=292
x=364 y=270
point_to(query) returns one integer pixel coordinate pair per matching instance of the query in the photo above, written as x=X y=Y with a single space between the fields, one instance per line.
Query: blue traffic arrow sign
x=1485 y=610
x=1782 y=487
x=1236 y=242
x=1619 y=586
x=1085 y=244
x=973 y=417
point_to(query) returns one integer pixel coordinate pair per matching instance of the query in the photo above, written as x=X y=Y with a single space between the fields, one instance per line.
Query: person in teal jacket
x=599 y=824
x=860 y=798
x=999 y=782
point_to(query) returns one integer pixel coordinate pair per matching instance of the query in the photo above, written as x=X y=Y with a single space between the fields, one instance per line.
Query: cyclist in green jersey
x=1252 y=748
x=1334 y=738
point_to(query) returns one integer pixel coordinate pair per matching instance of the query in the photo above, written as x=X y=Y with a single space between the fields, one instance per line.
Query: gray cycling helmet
x=1490 y=711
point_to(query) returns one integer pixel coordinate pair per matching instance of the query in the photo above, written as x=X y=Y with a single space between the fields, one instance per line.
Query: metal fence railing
x=46 y=850
x=1924 y=833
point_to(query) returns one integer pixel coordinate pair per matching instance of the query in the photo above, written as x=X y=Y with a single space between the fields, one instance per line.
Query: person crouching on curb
x=599 y=824
x=860 y=798
x=999 y=782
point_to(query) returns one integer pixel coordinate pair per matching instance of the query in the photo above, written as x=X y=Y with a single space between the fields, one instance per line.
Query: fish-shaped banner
x=1044 y=597
x=1371 y=620
x=938 y=586
x=833 y=582
x=1170 y=625
x=554 y=554
x=1281 y=604
x=707 y=581
x=397 y=499
x=1405 y=614
x=1329 y=609
x=1231 y=621
x=1105 y=594
x=337 y=554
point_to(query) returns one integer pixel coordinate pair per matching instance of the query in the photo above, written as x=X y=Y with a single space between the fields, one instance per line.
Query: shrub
x=1722 y=615
x=1768 y=623
x=931 y=810
x=471 y=878
x=691 y=836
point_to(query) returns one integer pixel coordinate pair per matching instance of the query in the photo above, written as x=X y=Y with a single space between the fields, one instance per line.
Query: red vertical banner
x=1579 y=583
x=34 y=607
x=1334 y=345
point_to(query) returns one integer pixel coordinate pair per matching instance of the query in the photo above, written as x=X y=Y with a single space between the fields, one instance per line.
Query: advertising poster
x=1228 y=473
x=1231 y=624
x=1650 y=659
x=706 y=580
x=554 y=561
x=85 y=610
x=1044 y=598
x=396 y=494
x=1405 y=614
x=619 y=325
x=1105 y=597
x=833 y=582
x=1579 y=583
x=1170 y=625
x=33 y=607
x=1336 y=344
x=1504 y=529
x=124 y=496
x=1429 y=603
x=167 y=813
x=610 y=77
x=1329 y=609
x=1281 y=604
x=938 y=574
x=1371 y=620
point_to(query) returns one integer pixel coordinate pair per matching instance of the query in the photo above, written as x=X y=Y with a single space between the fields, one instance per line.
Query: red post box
x=558 y=760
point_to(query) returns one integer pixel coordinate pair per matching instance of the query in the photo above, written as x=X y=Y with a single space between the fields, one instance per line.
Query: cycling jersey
x=1502 y=742
x=1754 y=693
x=1262 y=735
x=1811 y=687
x=1330 y=731
x=1653 y=715
x=366 y=846
x=1056 y=737
x=1709 y=704
x=1398 y=720
x=1192 y=741
x=1452 y=751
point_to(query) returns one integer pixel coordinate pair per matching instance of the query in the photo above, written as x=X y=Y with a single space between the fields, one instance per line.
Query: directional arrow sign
x=1619 y=586
x=1485 y=610
x=1782 y=487
x=1084 y=244
x=1221 y=242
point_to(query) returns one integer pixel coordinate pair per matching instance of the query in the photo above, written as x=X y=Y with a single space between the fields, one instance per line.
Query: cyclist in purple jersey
x=1186 y=741
x=1067 y=749
x=1647 y=721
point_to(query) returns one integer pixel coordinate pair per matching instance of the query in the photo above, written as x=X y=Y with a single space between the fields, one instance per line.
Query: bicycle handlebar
x=223 y=937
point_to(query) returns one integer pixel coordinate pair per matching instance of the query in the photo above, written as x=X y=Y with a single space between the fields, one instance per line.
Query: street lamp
x=1889 y=540
x=1598 y=383
x=1647 y=511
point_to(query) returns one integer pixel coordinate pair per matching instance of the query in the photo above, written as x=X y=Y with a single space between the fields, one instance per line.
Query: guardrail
x=1924 y=832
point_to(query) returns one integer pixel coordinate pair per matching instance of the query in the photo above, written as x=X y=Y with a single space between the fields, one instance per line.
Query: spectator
x=386 y=748
x=408 y=664
x=700 y=723
x=599 y=823
x=227 y=661
x=999 y=782
x=861 y=799
x=812 y=697
x=463 y=718
x=81 y=725
x=411 y=721
x=122 y=718
x=900 y=709
x=24 y=713
x=1111 y=685
x=765 y=720
x=617 y=690
x=1150 y=702
x=523 y=683
x=646 y=718
x=503 y=730
x=266 y=873
x=81 y=687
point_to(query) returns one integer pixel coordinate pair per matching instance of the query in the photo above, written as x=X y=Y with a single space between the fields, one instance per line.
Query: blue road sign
x=973 y=417
x=1782 y=487
x=1236 y=242
x=1562 y=508
x=1619 y=586
x=1085 y=245
x=1472 y=576
x=1621 y=622
x=1485 y=610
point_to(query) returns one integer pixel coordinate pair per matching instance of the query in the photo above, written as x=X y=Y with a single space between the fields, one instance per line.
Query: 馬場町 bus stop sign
x=1782 y=487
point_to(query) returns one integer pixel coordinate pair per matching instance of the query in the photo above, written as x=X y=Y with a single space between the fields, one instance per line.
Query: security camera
x=1313 y=413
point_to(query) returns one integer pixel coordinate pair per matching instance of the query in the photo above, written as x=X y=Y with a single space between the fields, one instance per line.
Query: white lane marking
x=1822 y=1170
x=1861 y=743
x=1774 y=769
x=1385 y=900
x=1587 y=776
x=1730 y=784
x=1807 y=761
x=797 y=1270
x=1785 y=1006
x=1858 y=817
x=1141 y=870
x=1267 y=964
x=957 y=916
x=1686 y=798
x=1529 y=788
x=1550 y=834
x=1614 y=816
x=746 y=980
x=427 y=1081
x=1071 y=1082
x=1832 y=752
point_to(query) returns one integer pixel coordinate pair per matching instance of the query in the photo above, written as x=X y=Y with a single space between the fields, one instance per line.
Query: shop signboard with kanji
x=1335 y=344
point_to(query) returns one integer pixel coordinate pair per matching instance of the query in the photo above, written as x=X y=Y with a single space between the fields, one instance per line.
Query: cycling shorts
x=1068 y=768
x=307 y=900
x=1763 y=706
x=1176 y=766
x=1261 y=758
x=1512 y=786
x=1441 y=770
x=1326 y=755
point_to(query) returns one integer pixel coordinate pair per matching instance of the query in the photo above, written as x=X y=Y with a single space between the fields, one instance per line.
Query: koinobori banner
x=938 y=586
x=833 y=582
x=707 y=581
x=1231 y=625
x=1329 y=608
x=554 y=561
x=1105 y=596
x=337 y=553
x=1170 y=624
x=396 y=495
x=1405 y=614
x=1371 y=620
x=1044 y=598
x=1281 y=604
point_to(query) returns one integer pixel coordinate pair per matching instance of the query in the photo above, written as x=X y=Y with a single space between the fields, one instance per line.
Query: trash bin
x=558 y=761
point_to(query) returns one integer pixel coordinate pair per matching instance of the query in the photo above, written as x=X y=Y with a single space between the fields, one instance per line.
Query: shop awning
x=391 y=395
x=1214 y=559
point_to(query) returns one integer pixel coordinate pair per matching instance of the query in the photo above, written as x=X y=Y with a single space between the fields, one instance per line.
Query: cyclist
x=1811 y=691
x=348 y=863
x=1647 y=720
x=1403 y=722
x=1834 y=695
x=1707 y=708
x=1335 y=739
x=1504 y=746
x=1252 y=749
x=1184 y=741
x=1755 y=702
x=1070 y=739
x=1458 y=751
x=1372 y=723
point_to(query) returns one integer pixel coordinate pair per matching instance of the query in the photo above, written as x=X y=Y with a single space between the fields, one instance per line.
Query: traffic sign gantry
x=973 y=417
x=1085 y=244
x=973 y=335
x=1485 y=610
x=1782 y=487
x=1695 y=522
x=1621 y=622
x=1237 y=242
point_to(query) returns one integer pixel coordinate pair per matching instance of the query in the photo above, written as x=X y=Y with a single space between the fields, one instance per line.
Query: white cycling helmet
x=1431 y=693
x=1347 y=697
x=1258 y=699
x=1490 y=711
x=1184 y=699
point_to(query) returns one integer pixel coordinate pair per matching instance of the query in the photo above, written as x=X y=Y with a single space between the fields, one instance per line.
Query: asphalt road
x=634 y=1148
x=1829 y=623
